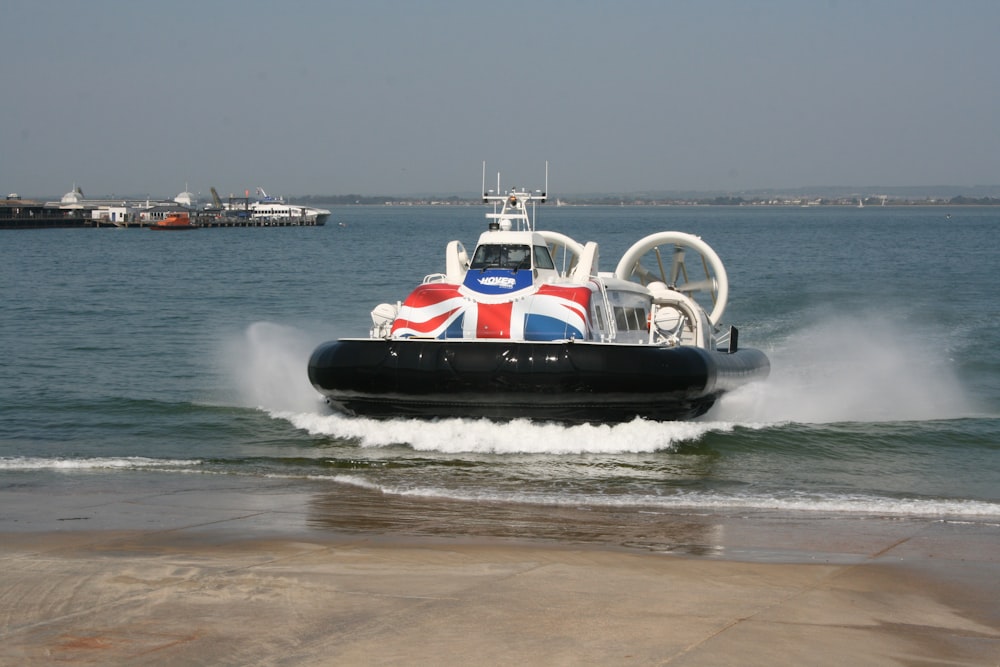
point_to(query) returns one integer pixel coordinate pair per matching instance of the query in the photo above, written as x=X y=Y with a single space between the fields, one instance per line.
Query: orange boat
x=174 y=221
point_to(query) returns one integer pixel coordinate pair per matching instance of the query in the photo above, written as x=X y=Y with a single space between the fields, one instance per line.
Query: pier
x=74 y=211
x=17 y=213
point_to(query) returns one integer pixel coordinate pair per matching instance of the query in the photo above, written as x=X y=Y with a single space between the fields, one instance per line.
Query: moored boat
x=529 y=327
x=175 y=221
x=268 y=210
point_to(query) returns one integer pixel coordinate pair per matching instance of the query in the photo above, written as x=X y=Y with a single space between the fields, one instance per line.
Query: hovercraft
x=529 y=327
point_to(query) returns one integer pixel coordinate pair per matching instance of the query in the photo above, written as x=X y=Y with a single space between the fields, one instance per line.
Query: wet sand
x=214 y=570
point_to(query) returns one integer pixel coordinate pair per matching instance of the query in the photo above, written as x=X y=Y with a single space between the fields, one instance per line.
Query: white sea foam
x=93 y=463
x=847 y=504
x=517 y=436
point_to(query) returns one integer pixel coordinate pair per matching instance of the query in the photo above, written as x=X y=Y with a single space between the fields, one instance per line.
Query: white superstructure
x=275 y=209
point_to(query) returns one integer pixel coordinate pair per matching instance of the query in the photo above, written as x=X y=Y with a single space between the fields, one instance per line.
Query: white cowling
x=628 y=264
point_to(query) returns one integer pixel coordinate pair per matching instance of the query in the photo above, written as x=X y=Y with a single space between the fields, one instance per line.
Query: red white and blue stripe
x=494 y=308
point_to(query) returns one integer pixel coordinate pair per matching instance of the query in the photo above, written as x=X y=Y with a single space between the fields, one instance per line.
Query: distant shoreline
x=860 y=201
x=806 y=198
x=676 y=204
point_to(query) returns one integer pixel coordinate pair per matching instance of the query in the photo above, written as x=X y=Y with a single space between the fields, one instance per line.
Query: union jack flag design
x=445 y=310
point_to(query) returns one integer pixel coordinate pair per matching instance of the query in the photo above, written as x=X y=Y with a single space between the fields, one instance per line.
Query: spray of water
x=852 y=370
x=268 y=366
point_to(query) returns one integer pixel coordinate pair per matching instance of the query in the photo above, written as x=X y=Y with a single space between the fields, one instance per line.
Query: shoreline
x=206 y=569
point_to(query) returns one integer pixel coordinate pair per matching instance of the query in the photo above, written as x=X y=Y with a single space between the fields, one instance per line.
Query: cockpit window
x=543 y=260
x=502 y=256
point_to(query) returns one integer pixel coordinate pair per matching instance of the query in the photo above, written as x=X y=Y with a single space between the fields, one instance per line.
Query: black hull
x=551 y=381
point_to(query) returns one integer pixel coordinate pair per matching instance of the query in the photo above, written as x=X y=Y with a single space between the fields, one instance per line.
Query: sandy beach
x=220 y=570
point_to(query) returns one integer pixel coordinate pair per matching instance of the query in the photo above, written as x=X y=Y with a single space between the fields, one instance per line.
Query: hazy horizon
x=904 y=192
x=379 y=97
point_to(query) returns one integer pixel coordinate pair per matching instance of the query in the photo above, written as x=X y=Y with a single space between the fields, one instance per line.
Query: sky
x=126 y=97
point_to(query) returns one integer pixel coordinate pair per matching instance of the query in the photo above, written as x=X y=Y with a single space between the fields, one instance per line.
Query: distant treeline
x=638 y=200
x=978 y=201
x=355 y=200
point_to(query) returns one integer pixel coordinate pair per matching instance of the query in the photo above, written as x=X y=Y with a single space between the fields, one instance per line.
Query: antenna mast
x=545 y=193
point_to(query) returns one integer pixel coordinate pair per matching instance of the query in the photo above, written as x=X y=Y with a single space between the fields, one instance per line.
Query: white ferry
x=266 y=209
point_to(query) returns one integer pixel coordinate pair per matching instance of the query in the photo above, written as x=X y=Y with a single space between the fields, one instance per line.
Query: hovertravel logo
x=503 y=282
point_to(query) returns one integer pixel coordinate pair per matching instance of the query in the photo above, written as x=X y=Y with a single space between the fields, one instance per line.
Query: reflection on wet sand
x=370 y=511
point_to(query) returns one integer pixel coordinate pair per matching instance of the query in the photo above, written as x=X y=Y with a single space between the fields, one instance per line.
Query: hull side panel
x=567 y=381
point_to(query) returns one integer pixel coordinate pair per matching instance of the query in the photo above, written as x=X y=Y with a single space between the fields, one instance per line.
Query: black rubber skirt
x=550 y=381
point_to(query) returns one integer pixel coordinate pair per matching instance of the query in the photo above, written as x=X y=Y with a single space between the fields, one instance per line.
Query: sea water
x=132 y=353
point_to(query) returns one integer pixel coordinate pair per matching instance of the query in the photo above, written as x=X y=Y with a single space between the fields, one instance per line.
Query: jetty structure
x=18 y=213
x=74 y=210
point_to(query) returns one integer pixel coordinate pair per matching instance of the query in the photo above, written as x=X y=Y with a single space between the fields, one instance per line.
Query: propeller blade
x=676 y=264
x=659 y=260
x=707 y=285
x=645 y=275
